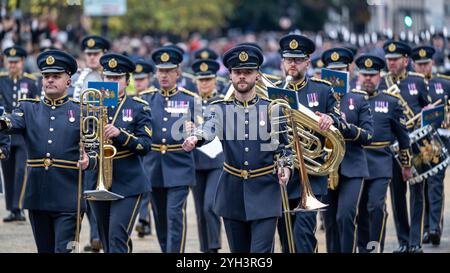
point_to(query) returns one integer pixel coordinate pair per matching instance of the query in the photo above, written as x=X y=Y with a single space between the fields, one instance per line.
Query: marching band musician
x=317 y=95
x=413 y=90
x=389 y=125
x=130 y=130
x=54 y=162
x=15 y=85
x=205 y=54
x=438 y=88
x=172 y=171
x=142 y=78
x=208 y=168
x=340 y=216
x=94 y=47
x=248 y=196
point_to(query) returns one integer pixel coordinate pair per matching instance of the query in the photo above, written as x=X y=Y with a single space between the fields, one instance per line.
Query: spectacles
x=295 y=60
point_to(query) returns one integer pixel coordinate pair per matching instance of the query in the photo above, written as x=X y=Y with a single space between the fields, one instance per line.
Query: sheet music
x=212 y=149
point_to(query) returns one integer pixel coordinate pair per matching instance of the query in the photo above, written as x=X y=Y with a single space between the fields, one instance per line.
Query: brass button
x=47 y=154
x=246 y=163
x=163 y=149
x=163 y=140
x=164 y=129
x=246 y=122
x=52 y=118
x=244 y=174
x=50 y=141
x=165 y=119
x=247 y=149
x=47 y=162
x=51 y=129
x=246 y=136
x=53 y=107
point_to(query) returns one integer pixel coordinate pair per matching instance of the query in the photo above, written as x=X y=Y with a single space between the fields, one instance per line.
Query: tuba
x=308 y=148
x=93 y=119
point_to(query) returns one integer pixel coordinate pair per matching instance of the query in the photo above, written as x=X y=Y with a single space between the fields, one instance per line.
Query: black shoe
x=10 y=218
x=20 y=216
x=94 y=246
x=143 y=229
x=435 y=237
x=426 y=238
x=401 y=249
x=415 y=249
x=212 y=251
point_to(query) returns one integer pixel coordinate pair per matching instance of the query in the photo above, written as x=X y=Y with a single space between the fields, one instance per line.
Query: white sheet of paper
x=212 y=149
x=444 y=132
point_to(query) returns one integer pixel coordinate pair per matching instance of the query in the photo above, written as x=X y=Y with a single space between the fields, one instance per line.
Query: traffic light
x=408 y=20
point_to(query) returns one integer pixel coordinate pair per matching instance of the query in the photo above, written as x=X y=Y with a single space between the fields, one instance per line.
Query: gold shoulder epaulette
x=140 y=100
x=439 y=75
x=30 y=99
x=74 y=100
x=320 y=80
x=218 y=101
x=357 y=91
x=149 y=90
x=416 y=74
x=277 y=82
x=190 y=93
x=272 y=77
x=3 y=74
x=30 y=76
x=266 y=99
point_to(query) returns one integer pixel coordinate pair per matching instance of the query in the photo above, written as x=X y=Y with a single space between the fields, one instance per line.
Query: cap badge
x=12 y=52
x=204 y=67
x=165 y=57
x=422 y=53
x=50 y=60
x=204 y=55
x=243 y=56
x=91 y=43
x=392 y=47
x=335 y=56
x=293 y=44
x=319 y=63
x=139 y=68
x=368 y=63
x=112 y=63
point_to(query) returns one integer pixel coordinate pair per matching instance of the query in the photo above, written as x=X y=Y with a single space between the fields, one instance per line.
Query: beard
x=369 y=88
x=245 y=89
x=296 y=75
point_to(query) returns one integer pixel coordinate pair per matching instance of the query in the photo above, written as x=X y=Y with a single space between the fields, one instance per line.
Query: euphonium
x=307 y=147
x=93 y=119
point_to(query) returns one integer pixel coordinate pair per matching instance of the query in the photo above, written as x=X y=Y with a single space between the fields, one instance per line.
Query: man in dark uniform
x=171 y=170
x=413 y=91
x=130 y=131
x=438 y=88
x=317 y=66
x=142 y=78
x=389 y=125
x=317 y=95
x=207 y=53
x=248 y=196
x=15 y=85
x=343 y=198
x=54 y=161
x=208 y=162
x=94 y=47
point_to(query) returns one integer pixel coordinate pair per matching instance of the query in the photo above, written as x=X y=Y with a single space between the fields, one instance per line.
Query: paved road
x=18 y=238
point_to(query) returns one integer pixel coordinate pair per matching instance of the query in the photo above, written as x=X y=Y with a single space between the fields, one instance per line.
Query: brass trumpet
x=93 y=118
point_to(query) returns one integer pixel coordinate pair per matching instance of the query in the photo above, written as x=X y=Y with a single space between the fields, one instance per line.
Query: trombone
x=93 y=119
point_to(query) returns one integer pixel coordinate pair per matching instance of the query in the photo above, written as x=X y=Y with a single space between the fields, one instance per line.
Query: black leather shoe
x=20 y=216
x=143 y=228
x=426 y=238
x=415 y=249
x=435 y=237
x=401 y=249
x=10 y=218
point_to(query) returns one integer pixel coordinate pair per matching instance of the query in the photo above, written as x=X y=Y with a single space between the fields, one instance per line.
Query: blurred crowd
x=40 y=33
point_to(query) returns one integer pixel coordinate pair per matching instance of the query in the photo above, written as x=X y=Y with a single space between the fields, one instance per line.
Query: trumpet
x=93 y=118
